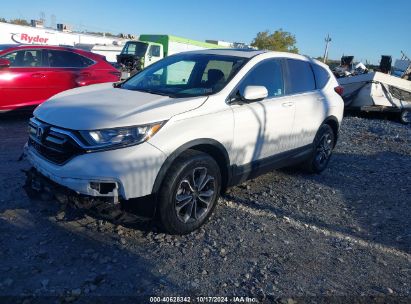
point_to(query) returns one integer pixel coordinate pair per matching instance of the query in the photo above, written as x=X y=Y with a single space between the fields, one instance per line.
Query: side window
x=25 y=58
x=300 y=77
x=65 y=59
x=155 y=50
x=321 y=76
x=267 y=73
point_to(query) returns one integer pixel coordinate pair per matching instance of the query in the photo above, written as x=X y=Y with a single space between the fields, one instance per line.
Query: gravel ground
x=342 y=236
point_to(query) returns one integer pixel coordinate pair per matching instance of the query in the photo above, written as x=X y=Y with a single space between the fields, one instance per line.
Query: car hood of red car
x=101 y=106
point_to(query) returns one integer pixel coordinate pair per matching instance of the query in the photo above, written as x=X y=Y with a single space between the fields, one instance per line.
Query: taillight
x=339 y=90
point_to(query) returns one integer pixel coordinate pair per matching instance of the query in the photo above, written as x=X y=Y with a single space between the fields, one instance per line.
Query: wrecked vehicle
x=177 y=134
x=376 y=91
x=136 y=55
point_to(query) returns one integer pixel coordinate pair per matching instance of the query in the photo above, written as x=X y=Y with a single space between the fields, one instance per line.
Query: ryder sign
x=29 y=39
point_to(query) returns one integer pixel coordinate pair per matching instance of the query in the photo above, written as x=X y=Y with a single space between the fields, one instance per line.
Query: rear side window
x=65 y=59
x=268 y=74
x=300 y=77
x=321 y=76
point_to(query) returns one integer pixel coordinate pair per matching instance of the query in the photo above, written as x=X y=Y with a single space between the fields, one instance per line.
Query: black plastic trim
x=251 y=170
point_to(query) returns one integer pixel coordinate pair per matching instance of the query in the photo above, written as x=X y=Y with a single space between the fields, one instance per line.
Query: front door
x=24 y=83
x=153 y=54
x=263 y=129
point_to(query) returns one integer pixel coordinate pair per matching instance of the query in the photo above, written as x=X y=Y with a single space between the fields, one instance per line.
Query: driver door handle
x=287 y=104
x=38 y=75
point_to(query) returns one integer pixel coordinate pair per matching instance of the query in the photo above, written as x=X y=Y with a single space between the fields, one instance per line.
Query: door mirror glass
x=254 y=93
x=4 y=63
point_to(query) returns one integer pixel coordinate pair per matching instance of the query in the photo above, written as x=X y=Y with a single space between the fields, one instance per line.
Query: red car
x=30 y=74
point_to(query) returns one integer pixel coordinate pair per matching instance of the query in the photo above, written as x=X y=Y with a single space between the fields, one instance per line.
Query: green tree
x=3 y=20
x=278 y=41
x=19 y=21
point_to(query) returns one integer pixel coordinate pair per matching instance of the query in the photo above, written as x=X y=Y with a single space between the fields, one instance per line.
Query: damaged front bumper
x=118 y=174
x=109 y=208
x=36 y=183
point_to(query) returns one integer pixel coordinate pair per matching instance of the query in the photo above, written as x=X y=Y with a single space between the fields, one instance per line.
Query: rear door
x=67 y=70
x=310 y=104
x=24 y=83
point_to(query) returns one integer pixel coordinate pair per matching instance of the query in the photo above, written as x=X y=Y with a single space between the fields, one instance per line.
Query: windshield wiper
x=155 y=92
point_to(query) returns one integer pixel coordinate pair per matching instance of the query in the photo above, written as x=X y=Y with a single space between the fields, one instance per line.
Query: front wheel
x=189 y=192
x=324 y=143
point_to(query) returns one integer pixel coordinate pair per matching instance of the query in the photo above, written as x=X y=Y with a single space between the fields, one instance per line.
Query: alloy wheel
x=324 y=149
x=194 y=195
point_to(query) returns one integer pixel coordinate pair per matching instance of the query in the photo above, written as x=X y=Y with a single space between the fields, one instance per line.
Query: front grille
x=57 y=146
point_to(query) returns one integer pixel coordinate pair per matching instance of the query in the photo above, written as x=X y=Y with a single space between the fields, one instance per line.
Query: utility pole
x=327 y=43
x=53 y=21
x=43 y=18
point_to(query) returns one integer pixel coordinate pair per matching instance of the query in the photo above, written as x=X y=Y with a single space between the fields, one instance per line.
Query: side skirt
x=256 y=168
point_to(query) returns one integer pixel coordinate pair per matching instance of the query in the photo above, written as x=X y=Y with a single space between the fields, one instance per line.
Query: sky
x=366 y=29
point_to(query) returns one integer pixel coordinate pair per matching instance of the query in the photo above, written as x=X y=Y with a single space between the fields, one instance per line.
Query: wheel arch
x=210 y=146
x=332 y=121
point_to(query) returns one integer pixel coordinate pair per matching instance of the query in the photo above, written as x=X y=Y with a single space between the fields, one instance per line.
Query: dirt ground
x=290 y=237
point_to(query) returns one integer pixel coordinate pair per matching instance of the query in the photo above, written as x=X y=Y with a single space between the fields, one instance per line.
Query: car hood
x=102 y=106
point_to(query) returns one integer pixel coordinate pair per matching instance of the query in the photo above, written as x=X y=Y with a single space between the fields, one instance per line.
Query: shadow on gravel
x=40 y=257
x=376 y=193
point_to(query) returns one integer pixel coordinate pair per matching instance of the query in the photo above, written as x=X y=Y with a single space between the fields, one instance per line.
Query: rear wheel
x=324 y=143
x=189 y=192
x=405 y=116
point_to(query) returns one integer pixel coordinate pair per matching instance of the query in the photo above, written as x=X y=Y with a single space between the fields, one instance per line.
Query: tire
x=405 y=116
x=324 y=143
x=189 y=192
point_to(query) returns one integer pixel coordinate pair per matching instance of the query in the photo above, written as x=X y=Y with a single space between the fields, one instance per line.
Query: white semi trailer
x=21 y=34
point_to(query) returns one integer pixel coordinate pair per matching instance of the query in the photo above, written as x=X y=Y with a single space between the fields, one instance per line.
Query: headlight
x=127 y=136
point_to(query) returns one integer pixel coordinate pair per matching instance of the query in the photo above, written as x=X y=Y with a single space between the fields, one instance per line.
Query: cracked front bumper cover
x=133 y=170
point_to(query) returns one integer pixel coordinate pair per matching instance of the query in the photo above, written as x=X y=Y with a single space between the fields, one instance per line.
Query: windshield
x=184 y=75
x=135 y=48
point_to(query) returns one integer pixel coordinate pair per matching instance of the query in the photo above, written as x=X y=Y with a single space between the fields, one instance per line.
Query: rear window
x=321 y=76
x=300 y=76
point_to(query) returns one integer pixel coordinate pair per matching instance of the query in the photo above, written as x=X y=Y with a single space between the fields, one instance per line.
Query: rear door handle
x=85 y=74
x=287 y=104
x=38 y=75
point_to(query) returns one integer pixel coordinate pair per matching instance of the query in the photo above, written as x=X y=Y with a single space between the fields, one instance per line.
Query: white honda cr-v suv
x=187 y=127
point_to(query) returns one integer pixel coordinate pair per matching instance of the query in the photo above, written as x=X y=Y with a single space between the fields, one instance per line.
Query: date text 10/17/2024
x=200 y=299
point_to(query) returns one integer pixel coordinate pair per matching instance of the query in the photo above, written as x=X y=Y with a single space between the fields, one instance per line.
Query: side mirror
x=254 y=93
x=4 y=63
